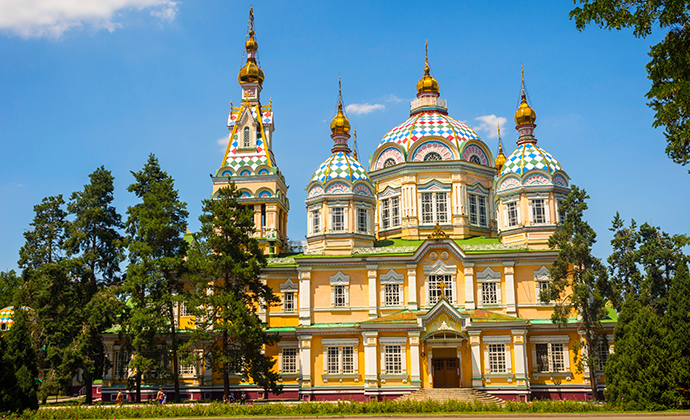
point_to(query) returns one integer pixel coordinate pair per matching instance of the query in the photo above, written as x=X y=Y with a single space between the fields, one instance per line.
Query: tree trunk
x=592 y=371
x=138 y=394
x=88 y=385
x=175 y=357
x=226 y=374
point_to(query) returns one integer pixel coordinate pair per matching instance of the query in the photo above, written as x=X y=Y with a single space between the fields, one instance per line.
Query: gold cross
x=442 y=285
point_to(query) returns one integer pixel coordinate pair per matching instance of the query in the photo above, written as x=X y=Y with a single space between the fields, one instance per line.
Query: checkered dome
x=427 y=124
x=527 y=157
x=340 y=165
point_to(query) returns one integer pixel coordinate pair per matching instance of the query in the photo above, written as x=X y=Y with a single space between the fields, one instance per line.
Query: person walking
x=160 y=396
x=118 y=400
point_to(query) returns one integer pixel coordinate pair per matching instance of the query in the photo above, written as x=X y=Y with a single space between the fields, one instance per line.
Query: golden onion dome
x=427 y=83
x=525 y=114
x=251 y=73
x=340 y=124
x=251 y=44
x=500 y=159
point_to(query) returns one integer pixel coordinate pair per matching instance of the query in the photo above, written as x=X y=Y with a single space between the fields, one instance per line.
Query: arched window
x=246 y=141
x=475 y=159
x=389 y=162
x=432 y=156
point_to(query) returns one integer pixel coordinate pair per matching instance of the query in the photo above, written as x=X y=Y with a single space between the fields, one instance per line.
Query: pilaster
x=304 y=296
x=370 y=340
x=469 y=286
x=412 y=287
x=305 y=360
x=519 y=346
x=371 y=273
x=415 y=378
x=475 y=342
x=509 y=270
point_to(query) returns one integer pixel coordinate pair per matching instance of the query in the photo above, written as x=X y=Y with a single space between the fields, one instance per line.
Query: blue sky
x=106 y=82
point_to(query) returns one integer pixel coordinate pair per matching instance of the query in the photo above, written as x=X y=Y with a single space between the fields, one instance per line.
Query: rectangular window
x=602 y=355
x=185 y=369
x=550 y=357
x=316 y=221
x=338 y=221
x=362 y=221
x=395 y=211
x=477 y=210
x=511 y=214
x=489 y=293
x=340 y=296
x=497 y=358
x=385 y=213
x=393 y=359
x=538 y=211
x=121 y=364
x=289 y=302
x=333 y=360
x=391 y=294
x=289 y=361
x=427 y=208
x=348 y=360
x=441 y=207
x=435 y=283
x=558 y=210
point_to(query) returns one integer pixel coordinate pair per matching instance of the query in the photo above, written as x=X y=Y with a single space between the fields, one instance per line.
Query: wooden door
x=446 y=373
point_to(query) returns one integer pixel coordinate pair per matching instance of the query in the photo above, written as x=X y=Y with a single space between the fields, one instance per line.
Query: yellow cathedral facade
x=422 y=266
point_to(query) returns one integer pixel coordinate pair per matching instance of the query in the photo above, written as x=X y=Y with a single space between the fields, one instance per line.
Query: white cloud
x=52 y=18
x=359 y=109
x=223 y=142
x=489 y=125
x=394 y=98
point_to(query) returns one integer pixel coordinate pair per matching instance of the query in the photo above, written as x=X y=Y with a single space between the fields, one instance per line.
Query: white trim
x=391 y=277
x=339 y=342
x=488 y=275
x=340 y=279
x=496 y=339
x=288 y=286
x=393 y=341
x=556 y=339
x=440 y=268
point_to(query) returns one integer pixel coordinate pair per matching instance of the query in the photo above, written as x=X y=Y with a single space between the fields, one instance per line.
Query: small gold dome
x=340 y=123
x=525 y=114
x=251 y=44
x=500 y=159
x=251 y=73
x=427 y=83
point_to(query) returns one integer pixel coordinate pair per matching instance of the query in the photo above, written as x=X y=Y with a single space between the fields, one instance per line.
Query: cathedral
x=422 y=266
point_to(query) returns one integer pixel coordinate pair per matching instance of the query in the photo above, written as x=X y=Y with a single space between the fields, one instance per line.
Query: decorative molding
x=288 y=286
x=392 y=277
x=339 y=279
x=488 y=275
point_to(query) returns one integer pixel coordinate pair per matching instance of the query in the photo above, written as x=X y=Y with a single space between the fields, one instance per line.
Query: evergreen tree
x=624 y=273
x=157 y=249
x=225 y=262
x=20 y=358
x=677 y=340
x=577 y=278
x=96 y=247
x=10 y=284
x=47 y=288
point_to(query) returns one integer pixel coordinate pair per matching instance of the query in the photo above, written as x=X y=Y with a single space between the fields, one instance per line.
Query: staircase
x=457 y=394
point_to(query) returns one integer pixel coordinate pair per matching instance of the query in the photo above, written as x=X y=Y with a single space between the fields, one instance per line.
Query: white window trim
x=340 y=279
x=488 y=276
x=551 y=339
x=339 y=343
x=479 y=213
x=392 y=278
x=434 y=206
x=541 y=275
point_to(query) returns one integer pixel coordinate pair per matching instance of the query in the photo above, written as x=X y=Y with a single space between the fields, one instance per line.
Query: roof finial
x=500 y=158
x=522 y=73
x=340 y=94
x=355 y=145
x=426 y=52
x=251 y=18
x=500 y=146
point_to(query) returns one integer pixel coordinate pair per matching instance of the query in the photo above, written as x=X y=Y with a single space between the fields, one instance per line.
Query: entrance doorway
x=446 y=372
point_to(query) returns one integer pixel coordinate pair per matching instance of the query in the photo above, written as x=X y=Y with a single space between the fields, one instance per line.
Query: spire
x=340 y=126
x=251 y=72
x=354 y=146
x=500 y=158
x=524 y=114
x=427 y=83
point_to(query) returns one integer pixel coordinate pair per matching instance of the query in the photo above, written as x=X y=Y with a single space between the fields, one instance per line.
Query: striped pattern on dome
x=340 y=165
x=529 y=156
x=430 y=123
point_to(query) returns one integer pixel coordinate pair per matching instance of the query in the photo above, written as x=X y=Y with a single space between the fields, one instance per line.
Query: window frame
x=393 y=359
x=362 y=220
x=433 y=288
x=497 y=358
x=289 y=359
x=433 y=209
x=512 y=214
x=338 y=219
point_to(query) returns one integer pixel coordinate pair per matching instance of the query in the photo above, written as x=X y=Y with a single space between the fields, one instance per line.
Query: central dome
x=430 y=124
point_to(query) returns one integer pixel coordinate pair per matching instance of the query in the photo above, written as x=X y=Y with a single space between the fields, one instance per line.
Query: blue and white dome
x=527 y=157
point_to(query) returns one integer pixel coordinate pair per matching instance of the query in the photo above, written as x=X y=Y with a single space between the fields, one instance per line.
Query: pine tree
x=96 y=247
x=10 y=284
x=21 y=359
x=157 y=249
x=577 y=279
x=677 y=340
x=225 y=262
x=47 y=288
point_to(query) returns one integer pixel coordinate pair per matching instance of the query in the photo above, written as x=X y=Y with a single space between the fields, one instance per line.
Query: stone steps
x=456 y=394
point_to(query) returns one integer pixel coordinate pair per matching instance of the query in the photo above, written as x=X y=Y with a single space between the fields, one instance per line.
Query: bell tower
x=249 y=161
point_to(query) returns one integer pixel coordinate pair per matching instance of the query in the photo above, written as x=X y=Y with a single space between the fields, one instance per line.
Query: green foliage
x=577 y=277
x=155 y=228
x=225 y=263
x=9 y=287
x=669 y=68
x=339 y=408
x=677 y=340
x=18 y=371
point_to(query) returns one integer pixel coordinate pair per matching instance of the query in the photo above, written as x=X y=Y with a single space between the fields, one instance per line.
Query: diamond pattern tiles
x=530 y=156
x=237 y=162
x=340 y=165
x=431 y=123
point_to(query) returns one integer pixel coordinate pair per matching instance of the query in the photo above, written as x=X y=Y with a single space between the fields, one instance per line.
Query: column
x=305 y=364
x=520 y=358
x=415 y=378
x=475 y=342
x=469 y=286
x=429 y=358
x=509 y=270
x=412 y=287
x=371 y=272
x=304 y=296
x=371 y=379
